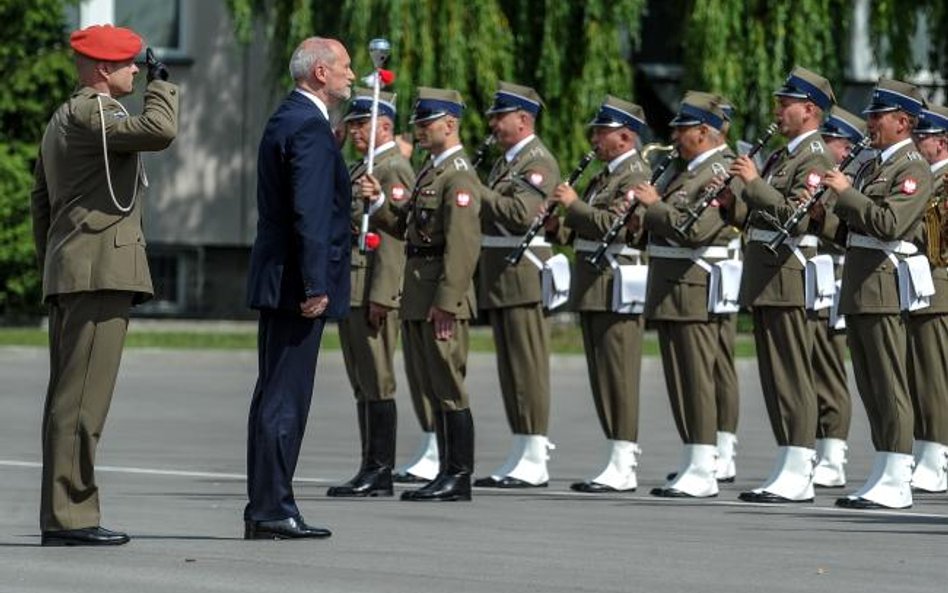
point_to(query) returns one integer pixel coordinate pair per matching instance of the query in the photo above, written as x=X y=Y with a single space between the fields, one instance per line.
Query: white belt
x=510 y=242
x=763 y=236
x=890 y=247
x=669 y=252
x=614 y=249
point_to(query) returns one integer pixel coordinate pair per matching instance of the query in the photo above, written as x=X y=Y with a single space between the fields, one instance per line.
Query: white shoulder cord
x=105 y=155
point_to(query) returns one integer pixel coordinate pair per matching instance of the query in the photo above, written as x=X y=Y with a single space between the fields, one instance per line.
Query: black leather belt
x=424 y=250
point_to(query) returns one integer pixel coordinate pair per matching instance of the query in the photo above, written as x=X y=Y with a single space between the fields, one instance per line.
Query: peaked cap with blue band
x=933 y=120
x=512 y=97
x=433 y=103
x=698 y=108
x=616 y=113
x=804 y=84
x=894 y=95
x=361 y=105
x=843 y=124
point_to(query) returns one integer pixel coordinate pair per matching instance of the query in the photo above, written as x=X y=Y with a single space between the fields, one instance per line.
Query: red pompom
x=372 y=241
x=386 y=77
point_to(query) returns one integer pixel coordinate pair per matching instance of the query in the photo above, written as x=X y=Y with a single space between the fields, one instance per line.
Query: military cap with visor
x=106 y=43
x=895 y=95
x=843 y=124
x=433 y=103
x=804 y=84
x=361 y=105
x=699 y=108
x=512 y=97
x=933 y=120
x=617 y=113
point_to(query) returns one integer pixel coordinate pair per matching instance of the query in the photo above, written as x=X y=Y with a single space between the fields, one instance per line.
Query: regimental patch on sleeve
x=399 y=192
x=813 y=180
x=909 y=186
x=462 y=198
x=816 y=147
x=536 y=178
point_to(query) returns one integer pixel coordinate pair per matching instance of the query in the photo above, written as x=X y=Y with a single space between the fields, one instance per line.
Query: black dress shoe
x=590 y=487
x=407 y=478
x=506 y=482
x=673 y=493
x=673 y=475
x=375 y=481
x=446 y=487
x=87 y=536
x=289 y=528
x=862 y=504
x=765 y=497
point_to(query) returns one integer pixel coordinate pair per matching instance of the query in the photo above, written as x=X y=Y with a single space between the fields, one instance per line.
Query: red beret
x=105 y=42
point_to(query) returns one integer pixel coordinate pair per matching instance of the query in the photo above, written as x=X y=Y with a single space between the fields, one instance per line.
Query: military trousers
x=928 y=375
x=437 y=367
x=86 y=336
x=522 y=342
x=834 y=404
x=369 y=354
x=726 y=392
x=613 y=345
x=877 y=348
x=689 y=359
x=784 y=342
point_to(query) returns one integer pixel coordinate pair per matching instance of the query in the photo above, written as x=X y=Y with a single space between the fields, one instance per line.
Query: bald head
x=322 y=66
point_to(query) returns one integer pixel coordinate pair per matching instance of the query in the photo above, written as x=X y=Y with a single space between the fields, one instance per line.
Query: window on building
x=162 y=24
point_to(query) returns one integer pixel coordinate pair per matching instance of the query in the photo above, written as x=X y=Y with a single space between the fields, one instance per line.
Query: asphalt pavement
x=171 y=463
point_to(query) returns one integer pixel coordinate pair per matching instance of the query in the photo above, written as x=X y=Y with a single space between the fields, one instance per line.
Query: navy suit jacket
x=303 y=207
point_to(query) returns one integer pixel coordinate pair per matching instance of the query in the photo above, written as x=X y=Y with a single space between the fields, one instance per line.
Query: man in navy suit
x=299 y=278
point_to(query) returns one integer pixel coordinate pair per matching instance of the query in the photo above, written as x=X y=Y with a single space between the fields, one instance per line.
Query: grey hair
x=308 y=53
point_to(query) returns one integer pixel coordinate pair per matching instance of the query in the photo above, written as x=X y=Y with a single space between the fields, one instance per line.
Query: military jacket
x=509 y=206
x=678 y=288
x=886 y=202
x=605 y=198
x=441 y=225
x=83 y=240
x=770 y=280
x=377 y=275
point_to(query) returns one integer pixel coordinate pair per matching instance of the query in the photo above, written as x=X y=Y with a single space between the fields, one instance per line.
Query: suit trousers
x=287 y=349
x=834 y=405
x=369 y=354
x=784 y=343
x=522 y=342
x=877 y=347
x=689 y=359
x=613 y=344
x=86 y=336
x=928 y=375
x=726 y=392
x=438 y=367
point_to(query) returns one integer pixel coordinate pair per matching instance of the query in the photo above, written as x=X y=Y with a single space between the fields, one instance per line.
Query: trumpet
x=711 y=193
x=623 y=219
x=539 y=221
x=784 y=230
x=936 y=227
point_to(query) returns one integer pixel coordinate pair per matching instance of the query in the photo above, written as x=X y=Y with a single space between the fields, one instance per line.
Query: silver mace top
x=379 y=50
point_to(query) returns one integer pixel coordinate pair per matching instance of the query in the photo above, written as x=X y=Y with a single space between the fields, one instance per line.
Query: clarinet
x=540 y=220
x=481 y=151
x=784 y=230
x=710 y=194
x=623 y=218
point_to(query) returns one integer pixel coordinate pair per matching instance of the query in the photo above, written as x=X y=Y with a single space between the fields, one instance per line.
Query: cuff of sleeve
x=577 y=210
x=449 y=300
x=377 y=204
x=851 y=200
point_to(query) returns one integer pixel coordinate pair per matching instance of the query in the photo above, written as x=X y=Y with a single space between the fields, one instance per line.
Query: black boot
x=377 y=421
x=457 y=464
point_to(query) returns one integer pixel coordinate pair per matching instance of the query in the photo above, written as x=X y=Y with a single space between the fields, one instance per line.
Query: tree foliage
x=36 y=68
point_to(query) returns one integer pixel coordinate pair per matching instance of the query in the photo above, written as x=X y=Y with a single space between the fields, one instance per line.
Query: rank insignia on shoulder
x=462 y=198
x=460 y=164
x=636 y=165
x=909 y=186
x=119 y=114
x=718 y=169
x=536 y=178
x=398 y=192
x=914 y=156
x=537 y=151
x=816 y=147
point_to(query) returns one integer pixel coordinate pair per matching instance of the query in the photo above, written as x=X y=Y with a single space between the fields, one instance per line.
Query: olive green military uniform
x=443 y=237
x=92 y=254
x=878 y=206
x=677 y=297
x=773 y=286
x=511 y=293
x=612 y=341
x=377 y=278
x=834 y=405
x=928 y=338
